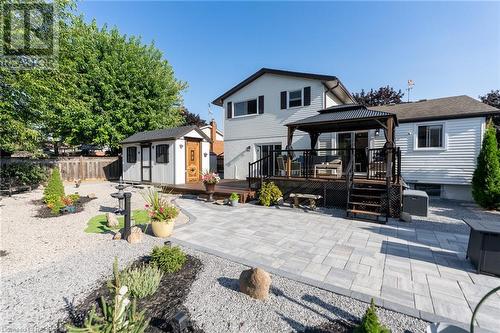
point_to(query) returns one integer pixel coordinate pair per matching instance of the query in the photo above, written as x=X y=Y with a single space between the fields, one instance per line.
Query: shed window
x=294 y=98
x=162 y=153
x=245 y=108
x=430 y=136
x=131 y=154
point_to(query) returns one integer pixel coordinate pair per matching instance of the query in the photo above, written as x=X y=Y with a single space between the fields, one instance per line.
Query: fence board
x=78 y=167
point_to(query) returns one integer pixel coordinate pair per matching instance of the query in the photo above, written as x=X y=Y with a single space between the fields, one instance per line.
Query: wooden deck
x=222 y=190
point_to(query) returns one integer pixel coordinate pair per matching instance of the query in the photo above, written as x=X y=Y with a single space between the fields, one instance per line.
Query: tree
x=381 y=96
x=486 y=178
x=492 y=98
x=370 y=322
x=192 y=118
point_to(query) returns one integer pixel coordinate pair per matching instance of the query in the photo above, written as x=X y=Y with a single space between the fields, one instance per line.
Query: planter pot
x=210 y=189
x=162 y=229
x=68 y=210
x=234 y=203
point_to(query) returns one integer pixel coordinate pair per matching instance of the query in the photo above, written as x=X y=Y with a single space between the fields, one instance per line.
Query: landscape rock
x=405 y=217
x=92 y=196
x=117 y=236
x=135 y=235
x=112 y=220
x=255 y=282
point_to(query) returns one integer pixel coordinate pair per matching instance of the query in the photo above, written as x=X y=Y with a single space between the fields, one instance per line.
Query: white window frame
x=246 y=115
x=301 y=98
x=444 y=136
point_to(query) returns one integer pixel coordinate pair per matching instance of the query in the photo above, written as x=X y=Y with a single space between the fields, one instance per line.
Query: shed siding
x=453 y=165
x=163 y=173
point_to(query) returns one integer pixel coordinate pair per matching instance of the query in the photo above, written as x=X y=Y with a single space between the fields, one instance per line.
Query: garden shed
x=167 y=156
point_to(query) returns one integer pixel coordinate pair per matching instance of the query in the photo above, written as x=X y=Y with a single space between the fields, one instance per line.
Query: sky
x=446 y=48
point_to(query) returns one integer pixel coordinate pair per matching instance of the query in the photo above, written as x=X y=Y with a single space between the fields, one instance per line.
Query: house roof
x=342 y=117
x=164 y=134
x=325 y=78
x=440 y=108
x=210 y=126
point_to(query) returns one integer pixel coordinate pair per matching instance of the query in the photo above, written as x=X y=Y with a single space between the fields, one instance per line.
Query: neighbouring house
x=167 y=156
x=216 y=147
x=311 y=120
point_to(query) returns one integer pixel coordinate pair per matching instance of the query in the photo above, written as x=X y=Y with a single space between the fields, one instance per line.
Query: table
x=334 y=168
x=483 y=249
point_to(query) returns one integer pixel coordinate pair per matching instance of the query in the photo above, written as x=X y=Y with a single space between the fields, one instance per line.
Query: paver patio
x=416 y=270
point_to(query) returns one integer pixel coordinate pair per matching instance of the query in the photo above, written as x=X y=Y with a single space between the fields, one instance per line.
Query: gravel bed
x=216 y=305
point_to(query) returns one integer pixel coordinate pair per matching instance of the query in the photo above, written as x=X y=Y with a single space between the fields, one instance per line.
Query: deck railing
x=327 y=164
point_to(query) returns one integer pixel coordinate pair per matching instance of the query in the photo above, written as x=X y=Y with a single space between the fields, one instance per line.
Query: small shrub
x=119 y=315
x=370 y=323
x=234 y=197
x=168 y=259
x=23 y=174
x=486 y=179
x=269 y=194
x=55 y=187
x=158 y=207
x=142 y=281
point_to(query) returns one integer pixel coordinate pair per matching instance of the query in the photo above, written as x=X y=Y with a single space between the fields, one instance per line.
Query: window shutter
x=283 y=100
x=229 y=110
x=307 y=96
x=261 y=104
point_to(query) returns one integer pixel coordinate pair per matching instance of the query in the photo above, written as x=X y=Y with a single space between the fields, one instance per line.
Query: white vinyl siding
x=453 y=165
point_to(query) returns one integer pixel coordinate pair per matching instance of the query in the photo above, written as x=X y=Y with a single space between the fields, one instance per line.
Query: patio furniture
x=415 y=202
x=330 y=169
x=280 y=164
x=296 y=168
x=484 y=245
x=311 y=197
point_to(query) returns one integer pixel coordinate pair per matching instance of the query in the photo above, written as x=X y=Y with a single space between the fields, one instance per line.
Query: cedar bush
x=486 y=179
x=142 y=281
x=53 y=194
x=269 y=194
x=370 y=323
x=23 y=174
x=168 y=259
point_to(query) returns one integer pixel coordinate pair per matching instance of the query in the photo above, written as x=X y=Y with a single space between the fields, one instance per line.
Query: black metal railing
x=369 y=163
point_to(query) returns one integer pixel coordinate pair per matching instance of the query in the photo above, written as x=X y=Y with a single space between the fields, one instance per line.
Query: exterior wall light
x=205 y=154
x=181 y=146
x=248 y=148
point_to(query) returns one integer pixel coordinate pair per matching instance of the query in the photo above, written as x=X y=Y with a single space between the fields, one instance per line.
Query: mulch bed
x=161 y=307
x=45 y=212
x=336 y=326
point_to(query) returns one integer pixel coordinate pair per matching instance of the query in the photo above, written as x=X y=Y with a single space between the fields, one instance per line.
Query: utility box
x=415 y=202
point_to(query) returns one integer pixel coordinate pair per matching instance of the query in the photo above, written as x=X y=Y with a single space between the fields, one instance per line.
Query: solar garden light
x=179 y=322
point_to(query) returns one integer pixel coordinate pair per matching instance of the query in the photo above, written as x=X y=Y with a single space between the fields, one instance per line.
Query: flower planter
x=68 y=210
x=234 y=203
x=162 y=229
x=210 y=189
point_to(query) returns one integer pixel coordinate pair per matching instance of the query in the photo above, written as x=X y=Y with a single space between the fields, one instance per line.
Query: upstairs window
x=245 y=108
x=430 y=136
x=161 y=153
x=131 y=154
x=294 y=98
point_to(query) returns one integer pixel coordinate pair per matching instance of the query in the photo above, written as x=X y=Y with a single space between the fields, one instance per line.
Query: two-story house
x=439 y=139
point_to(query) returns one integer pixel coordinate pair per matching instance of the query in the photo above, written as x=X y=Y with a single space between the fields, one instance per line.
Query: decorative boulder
x=117 y=235
x=111 y=220
x=255 y=282
x=405 y=217
x=135 y=235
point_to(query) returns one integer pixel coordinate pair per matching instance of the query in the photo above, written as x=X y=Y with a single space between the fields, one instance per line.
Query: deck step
x=376 y=189
x=366 y=212
x=367 y=196
x=365 y=204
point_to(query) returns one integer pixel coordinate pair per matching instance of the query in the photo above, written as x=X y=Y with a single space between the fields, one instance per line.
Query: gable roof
x=440 y=108
x=164 y=134
x=210 y=126
x=220 y=100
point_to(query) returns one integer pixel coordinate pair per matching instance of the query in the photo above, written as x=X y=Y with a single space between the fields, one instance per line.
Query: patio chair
x=280 y=164
x=296 y=169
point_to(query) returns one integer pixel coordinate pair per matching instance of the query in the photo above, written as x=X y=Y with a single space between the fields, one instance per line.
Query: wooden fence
x=78 y=167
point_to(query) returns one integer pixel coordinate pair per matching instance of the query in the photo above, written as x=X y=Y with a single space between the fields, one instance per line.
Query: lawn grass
x=97 y=224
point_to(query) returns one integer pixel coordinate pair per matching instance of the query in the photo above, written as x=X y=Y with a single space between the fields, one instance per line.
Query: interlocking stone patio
x=404 y=266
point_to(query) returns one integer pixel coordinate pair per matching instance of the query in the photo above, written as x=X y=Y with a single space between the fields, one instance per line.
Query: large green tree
x=106 y=87
x=380 y=96
x=486 y=179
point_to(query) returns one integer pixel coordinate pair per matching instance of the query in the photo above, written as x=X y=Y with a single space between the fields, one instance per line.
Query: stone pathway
x=417 y=271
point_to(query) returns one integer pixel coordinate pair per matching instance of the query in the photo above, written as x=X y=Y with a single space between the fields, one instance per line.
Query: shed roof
x=440 y=108
x=342 y=118
x=164 y=134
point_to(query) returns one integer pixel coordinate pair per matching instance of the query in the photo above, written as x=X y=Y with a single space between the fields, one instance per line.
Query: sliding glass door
x=357 y=140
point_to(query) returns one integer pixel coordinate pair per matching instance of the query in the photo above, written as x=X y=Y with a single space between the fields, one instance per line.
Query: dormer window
x=294 y=98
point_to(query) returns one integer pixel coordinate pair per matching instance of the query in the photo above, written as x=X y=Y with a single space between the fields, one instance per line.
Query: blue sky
x=446 y=48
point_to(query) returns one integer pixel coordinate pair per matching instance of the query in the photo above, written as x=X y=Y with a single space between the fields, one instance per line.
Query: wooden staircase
x=367 y=200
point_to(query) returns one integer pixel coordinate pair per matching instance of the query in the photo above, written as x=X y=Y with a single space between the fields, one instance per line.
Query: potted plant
x=234 y=198
x=210 y=179
x=161 y=213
